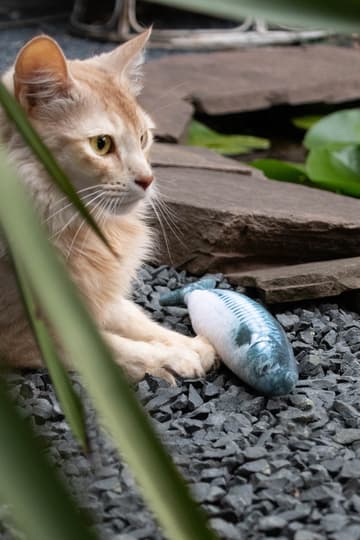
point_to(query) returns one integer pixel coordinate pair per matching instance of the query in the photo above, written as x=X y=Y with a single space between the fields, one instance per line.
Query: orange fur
x=71 y=102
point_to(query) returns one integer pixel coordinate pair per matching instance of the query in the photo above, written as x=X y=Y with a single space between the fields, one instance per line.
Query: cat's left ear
x=127 y=60
x=41 y=72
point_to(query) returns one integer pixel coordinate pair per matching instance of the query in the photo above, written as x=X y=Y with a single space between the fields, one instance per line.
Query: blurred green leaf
x=328 y=14
x=340 y=127
x=336 y=167
x=164 y=489
x=201 y=135
x=68 y=398
x=306 y=122
x=39 y=502
x=18 y=116
x=282 y=170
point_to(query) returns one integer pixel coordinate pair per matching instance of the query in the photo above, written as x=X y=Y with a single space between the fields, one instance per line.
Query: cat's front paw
x=193 y=360
x=206 y=351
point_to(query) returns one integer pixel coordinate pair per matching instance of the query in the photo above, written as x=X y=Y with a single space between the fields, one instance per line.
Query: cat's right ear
x=41 y=72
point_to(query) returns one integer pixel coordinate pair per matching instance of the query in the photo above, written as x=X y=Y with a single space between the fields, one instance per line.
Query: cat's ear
x=127 y=60
x=41 y=72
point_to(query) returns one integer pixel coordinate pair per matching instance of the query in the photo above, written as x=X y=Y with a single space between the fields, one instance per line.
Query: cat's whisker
x=74 y=238
x=161 y=198
x=163 y=204
x=58 y=233
x=79 y=192
x=167 y=211
x=82 y=190
x=68 y=205
x=170 y=224
x=162 y=230
x=98 y=214
x=73 y=217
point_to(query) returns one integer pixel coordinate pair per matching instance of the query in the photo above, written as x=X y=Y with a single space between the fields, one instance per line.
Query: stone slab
x=171 y=114
x=247 y=80
x=302 y=281
x=176 y=155
x=238 y=222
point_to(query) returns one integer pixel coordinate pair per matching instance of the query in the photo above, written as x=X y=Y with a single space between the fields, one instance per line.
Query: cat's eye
x=101 y=144
x=144 y=139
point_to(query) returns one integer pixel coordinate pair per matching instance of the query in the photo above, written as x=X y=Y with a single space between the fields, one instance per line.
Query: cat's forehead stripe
x=105 y=86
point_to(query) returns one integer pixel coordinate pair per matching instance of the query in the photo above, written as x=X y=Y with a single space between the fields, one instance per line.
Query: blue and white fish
x=245 y=335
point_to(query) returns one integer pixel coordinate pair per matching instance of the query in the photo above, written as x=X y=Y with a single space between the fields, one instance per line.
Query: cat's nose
x=144 y=181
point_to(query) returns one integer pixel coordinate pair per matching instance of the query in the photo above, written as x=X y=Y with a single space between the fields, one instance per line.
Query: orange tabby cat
x=87 y=113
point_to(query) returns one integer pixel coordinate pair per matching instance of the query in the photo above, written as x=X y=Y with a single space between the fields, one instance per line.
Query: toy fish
x=245 y=335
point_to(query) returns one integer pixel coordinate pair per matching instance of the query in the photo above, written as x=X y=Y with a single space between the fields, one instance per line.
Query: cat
x=87 y=113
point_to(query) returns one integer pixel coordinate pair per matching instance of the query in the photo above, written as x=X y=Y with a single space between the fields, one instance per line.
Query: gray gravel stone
x=307 y=535
x=347 y=436
x=271 y=523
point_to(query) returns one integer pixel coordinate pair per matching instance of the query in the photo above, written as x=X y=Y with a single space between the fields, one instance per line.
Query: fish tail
x=177 y=297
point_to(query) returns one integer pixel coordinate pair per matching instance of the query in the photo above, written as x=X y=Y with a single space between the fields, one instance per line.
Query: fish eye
x=265 y=368
x=101 y=144
x=262 y=364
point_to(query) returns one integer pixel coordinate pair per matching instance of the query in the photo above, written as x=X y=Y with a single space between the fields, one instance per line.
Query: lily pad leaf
x=201 y=135
x=336 y=167
x=282 y=170
x=337 y=127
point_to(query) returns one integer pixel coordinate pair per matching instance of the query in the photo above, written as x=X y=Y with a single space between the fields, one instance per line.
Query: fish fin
x=177 y=297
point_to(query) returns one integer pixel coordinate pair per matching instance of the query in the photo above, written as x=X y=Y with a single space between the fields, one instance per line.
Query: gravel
x=285 y=467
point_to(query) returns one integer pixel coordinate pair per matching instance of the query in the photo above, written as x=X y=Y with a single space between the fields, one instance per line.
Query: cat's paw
x=191 y=361
x=206 y=352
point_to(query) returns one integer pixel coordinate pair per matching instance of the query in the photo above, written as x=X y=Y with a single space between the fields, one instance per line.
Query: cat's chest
x=102 y=276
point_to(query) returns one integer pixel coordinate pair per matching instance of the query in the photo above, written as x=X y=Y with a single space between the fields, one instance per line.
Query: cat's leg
x=140 y=357
x=127 y=319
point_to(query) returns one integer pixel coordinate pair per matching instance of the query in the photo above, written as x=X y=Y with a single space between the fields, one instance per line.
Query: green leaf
x=39 y=501
x=162 y=486
x=282 y=170
x=18 y=116
x=339 y=127
x=306 y=122
x=336 y=167
x=328 y=14
x=68 y=398
x=201 y=135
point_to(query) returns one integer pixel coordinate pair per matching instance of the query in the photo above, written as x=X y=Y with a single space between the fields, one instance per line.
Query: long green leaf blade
x=282 y=170
x=327 y=14
x=39 y=501
x=18 y=116
x=68 y=398
x=201 y=135
x=162 y=486
x=306 y=122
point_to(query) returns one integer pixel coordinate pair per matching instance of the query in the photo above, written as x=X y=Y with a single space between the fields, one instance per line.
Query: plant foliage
x=201 y=135
x=333 y=161
x=39 y=502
